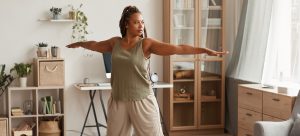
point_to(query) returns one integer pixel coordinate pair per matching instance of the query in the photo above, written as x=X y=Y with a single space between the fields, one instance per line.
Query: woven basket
x=49 y=128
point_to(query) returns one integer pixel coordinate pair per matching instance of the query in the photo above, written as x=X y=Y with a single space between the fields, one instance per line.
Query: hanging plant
x=79 y=29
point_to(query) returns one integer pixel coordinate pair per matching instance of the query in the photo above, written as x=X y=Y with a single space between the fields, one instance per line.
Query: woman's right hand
x=75 y=45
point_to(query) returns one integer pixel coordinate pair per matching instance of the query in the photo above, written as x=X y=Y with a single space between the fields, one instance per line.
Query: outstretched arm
x=166 y=49
x=102 y=46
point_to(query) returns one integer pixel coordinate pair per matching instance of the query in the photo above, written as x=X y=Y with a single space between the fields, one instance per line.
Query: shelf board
x=14 y=88
x=24 y=116
x=209 y=99
x=181 y=59
x=183 y=80
x=212 y=27
x=211 y=58
x=40 y=115
x=50 y=87
x=57 y=20
x=50 y=115
x=183 y=101
x=213 y=8
x=210 y=126
x=210 y=78
x=184 y=9
x=183 y=28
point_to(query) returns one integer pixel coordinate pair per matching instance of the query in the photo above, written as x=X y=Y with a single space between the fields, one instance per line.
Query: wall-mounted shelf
x=57 y=20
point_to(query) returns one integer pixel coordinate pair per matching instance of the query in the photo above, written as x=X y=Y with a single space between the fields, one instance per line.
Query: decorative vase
x=23 y=81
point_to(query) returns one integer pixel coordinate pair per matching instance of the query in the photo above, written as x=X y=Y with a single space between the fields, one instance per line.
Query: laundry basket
x=49 y=128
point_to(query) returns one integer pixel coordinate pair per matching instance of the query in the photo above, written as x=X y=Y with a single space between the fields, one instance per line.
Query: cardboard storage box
x=50 y=72
x=22 y=133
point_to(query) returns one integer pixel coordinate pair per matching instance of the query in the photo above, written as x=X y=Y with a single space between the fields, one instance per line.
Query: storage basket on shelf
x=49 y=128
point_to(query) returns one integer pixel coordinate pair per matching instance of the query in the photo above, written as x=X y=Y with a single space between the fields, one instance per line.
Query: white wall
x=20 y=31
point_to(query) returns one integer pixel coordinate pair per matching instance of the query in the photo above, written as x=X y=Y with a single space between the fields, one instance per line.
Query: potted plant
x=22 y=70
x=42 y=49
x=54 y=51
x=79 y=28
x=55 y=12
x=5 y=80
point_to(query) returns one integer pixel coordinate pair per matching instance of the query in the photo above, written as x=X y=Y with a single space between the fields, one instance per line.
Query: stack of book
x=17 y=111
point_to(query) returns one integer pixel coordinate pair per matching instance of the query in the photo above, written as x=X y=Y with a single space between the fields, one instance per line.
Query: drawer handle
x=51 y=70
x=275 y=99
x=248 y=114
x=249 y=93
x=248 y=135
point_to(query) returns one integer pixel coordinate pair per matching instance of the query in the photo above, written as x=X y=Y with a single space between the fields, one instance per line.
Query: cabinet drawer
x=247 y=118
x=270 y=118
x=51 y=73
x=250 y=99
x=244 y=132
x=278 y=106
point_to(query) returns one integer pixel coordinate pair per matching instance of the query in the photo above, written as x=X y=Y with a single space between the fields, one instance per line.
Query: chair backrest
x=296 y=109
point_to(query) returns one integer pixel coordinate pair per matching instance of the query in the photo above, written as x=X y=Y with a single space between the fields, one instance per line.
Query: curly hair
x=127 y=12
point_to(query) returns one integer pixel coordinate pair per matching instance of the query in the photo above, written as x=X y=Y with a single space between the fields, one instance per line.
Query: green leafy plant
x=41 y=44
x=5 y=80
x=80 y=26
x=55 y=11
x=21 y=69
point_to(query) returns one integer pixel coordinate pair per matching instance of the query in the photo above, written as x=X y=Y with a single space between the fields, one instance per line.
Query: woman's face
x=135 y=26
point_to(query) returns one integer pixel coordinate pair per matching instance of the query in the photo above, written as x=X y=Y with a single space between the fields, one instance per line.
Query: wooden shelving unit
x=18 y=95
x=197 y=23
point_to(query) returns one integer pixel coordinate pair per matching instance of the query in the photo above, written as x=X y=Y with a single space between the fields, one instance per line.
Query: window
x=282 y=60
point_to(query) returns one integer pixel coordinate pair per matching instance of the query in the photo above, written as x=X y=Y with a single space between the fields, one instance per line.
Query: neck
x=131 y=39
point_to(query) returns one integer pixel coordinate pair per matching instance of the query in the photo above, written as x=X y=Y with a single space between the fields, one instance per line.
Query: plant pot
x=23 y=81
x=54 y=51
x=42 y=52
x=55 y=16
x=72 y=15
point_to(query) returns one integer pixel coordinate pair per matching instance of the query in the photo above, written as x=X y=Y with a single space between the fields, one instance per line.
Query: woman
x=132 y=102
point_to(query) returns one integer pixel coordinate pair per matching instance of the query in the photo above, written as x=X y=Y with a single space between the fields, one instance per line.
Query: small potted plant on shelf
x=55 y=12
x=81 y=22
x=54 y=51
x=42 y=49
x=5 y=79
x=22 y=70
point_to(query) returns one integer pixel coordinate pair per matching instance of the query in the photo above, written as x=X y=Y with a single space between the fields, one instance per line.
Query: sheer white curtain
x=281 y=65
x=250 y=45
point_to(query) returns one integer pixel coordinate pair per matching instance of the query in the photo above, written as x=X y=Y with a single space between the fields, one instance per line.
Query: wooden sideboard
x=262 y=104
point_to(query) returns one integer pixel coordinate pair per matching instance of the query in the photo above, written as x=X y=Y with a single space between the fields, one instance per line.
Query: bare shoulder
x=147 y=43
x=114 y=40
x=148 y=40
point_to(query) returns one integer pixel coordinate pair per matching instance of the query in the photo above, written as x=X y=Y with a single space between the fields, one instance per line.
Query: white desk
x=93 y=87
x=105 y=86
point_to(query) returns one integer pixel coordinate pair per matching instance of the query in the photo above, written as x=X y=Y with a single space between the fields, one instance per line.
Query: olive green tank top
x=129 y=76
